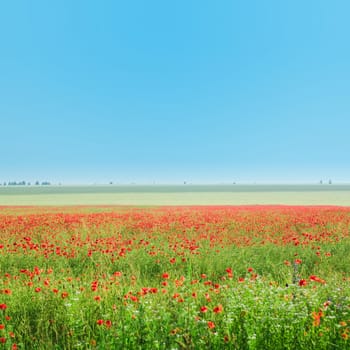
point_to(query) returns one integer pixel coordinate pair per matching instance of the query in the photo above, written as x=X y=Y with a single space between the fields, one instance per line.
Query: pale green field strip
x=177 y=195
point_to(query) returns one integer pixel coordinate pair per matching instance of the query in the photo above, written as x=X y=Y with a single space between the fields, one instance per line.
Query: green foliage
x=201 y=295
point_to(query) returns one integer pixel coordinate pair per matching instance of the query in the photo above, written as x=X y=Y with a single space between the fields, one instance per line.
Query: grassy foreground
x=175 y=278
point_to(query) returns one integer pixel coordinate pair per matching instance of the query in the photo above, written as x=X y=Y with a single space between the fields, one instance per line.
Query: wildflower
x=179 y=282
x=327 y=303
x=165 y=275
x=298 y=261
x=174 y=331
x=211 y=325
x=99 y=322
x=317 y=279
x=218 y=309
x=317 y=318
x=64 y=295
x=134 y=298
x=94 y=286
x=204 y=309
x=108 y=323
x=47 y=282
x=302 y=283
x=229 y=272
x=253 y=276
x=3 y=306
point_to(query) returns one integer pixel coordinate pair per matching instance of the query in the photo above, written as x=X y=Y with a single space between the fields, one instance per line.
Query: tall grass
x=125 y=284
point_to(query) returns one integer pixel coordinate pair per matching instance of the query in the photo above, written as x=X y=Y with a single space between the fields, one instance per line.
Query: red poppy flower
x=218 y=309
x=211 y=325
x=302 y=283
x=204 y=309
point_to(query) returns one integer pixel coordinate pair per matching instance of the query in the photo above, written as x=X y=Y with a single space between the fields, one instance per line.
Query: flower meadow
x=246 y=277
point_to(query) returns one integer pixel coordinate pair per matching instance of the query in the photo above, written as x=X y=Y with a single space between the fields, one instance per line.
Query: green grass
x=177 y=195
x=175 y=279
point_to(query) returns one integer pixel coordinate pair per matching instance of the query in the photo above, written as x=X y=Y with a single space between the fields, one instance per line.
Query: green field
x=176 y=195
x=179 y=278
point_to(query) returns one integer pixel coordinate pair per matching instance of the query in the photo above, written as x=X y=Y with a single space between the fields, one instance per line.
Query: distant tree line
x=329 y=182
x=24 y=183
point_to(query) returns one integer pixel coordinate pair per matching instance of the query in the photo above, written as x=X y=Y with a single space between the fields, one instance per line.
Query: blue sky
x=159 y=91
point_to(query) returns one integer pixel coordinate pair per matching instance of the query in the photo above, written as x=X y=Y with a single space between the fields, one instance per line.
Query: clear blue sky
x=167 y=91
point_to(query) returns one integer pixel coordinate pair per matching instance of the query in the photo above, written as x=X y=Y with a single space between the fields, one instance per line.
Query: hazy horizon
x=328 y=182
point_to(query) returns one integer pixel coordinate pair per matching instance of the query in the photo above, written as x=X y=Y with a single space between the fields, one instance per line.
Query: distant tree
x=330 y=182
x=37 y=183
x=28 y=183
x=321 y=182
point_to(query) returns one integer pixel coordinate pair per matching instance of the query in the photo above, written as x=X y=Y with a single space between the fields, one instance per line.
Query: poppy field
x=235 y=277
